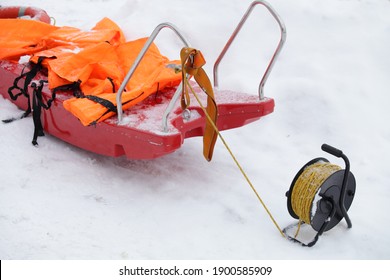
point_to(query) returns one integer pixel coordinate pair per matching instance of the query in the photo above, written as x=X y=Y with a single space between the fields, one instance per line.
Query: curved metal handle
x=338 y=153
x=137 y=61
x=237 y=30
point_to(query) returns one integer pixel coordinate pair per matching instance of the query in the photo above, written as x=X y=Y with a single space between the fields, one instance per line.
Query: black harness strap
x=108 y=104
x=37 y=104
x=112 y=83
x=74 y=87
x=28 y=76
x=104 y=102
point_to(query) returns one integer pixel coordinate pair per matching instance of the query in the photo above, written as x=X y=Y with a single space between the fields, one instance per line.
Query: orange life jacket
x=98 y=60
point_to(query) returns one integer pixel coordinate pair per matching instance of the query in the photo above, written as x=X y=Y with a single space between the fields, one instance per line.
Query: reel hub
x=321 y=194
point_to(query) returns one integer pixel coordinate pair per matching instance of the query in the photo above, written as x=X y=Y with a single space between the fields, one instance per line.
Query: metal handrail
x=170 y=107
x=137 y=61
x=237 y=30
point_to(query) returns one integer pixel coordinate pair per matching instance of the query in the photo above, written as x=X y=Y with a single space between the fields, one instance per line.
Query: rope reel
x=320 y=195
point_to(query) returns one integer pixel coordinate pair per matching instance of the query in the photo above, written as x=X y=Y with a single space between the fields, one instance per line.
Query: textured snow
x=330 y=85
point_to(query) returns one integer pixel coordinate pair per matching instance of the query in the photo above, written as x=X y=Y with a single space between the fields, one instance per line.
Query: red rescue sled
x=157 y=126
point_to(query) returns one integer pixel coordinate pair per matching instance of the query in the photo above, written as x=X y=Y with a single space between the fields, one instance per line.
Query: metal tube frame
x=137 y=61
x=176 y=96
x=237 y=30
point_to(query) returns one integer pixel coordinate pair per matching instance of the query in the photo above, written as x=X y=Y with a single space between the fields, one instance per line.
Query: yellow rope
x=234 y=158
x=307 y=186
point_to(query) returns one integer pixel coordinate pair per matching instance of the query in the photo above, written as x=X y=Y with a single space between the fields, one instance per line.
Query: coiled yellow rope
x=306 y=187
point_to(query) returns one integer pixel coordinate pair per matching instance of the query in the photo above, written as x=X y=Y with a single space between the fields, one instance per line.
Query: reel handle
x=338 y=153
x=332 y=150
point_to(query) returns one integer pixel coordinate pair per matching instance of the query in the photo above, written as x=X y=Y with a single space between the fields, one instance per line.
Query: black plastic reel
x=336 y=192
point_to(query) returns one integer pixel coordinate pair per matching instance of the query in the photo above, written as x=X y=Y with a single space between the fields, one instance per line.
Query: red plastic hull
x=108 y=138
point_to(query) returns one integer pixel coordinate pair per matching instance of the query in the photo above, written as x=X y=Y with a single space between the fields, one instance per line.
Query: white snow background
x=331 y=85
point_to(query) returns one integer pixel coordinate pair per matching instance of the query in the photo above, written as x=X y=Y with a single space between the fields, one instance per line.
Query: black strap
x=37 y=104
x=25 y=114
x=28 y=76
x=104 y=102
x=109 y=105
x=112 y=83
x=73 y=87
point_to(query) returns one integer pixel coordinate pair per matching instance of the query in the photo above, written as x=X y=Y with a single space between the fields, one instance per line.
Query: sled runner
x=134 y=111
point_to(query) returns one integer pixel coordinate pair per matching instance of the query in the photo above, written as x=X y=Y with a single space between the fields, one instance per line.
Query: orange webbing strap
x=192 y=61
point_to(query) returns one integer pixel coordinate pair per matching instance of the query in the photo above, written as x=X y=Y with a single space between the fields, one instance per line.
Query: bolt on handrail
x=137 y=61
x=237 y=30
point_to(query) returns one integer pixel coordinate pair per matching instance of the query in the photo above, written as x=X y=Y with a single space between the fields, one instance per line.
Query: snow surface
x=331 y=85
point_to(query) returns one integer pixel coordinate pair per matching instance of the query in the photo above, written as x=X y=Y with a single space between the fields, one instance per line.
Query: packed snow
x=331 y=85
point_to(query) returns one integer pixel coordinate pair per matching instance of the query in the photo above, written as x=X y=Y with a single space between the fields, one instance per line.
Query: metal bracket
x=237 y=30
x=137 y=61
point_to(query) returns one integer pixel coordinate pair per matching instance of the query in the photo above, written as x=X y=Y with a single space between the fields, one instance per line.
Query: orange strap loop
x=192 y=62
